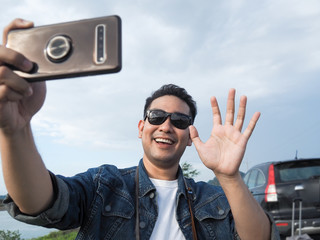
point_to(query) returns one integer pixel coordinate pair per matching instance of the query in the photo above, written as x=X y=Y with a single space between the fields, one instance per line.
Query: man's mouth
x=164 y=140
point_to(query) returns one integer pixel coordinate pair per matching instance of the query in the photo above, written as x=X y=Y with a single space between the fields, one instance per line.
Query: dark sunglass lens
x=157 y=117
x=180 y=121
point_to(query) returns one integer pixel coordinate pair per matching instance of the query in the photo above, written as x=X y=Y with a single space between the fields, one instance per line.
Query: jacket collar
x=145 y=184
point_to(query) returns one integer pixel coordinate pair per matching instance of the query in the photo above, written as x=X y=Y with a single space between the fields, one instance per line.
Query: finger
x=230 y=107
x=7 y=94
x=241 y=113
x=215 y=111
x=247 y=133
x=13 y=58
x=15 y=24
x=194 y=136
x=13 y=81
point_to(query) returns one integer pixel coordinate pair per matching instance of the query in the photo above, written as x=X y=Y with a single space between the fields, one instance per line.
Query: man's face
x=164 y=144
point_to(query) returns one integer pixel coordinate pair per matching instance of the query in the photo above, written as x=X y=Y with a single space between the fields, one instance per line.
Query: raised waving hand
x=224 y=150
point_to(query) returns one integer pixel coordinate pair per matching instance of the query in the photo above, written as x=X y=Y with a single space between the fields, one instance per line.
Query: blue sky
x=267 y=50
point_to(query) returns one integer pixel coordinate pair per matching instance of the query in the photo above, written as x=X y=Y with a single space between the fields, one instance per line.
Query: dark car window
x=292 y=171
x=261 y=180
x=246 y=178
x=254 y=178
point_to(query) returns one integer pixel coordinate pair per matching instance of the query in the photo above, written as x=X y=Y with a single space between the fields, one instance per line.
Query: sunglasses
x=179 y=120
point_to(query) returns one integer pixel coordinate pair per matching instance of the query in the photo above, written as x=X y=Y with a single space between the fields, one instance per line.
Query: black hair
x=173 y=90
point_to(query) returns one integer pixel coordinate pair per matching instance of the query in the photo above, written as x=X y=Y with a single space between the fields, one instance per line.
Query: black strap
x=189 y=197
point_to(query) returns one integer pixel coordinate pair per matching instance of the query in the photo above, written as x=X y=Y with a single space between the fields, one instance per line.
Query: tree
x=10 y=235
x=188 y=170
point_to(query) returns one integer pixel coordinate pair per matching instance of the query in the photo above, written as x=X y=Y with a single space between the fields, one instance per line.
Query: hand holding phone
x=72 y=49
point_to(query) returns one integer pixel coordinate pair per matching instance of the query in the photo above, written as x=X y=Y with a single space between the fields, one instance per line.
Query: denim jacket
x=101 y=202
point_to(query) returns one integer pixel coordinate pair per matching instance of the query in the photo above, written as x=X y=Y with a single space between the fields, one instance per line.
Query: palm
x=224 y=150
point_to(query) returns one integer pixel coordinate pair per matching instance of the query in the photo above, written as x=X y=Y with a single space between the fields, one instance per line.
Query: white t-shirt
x=166 y=227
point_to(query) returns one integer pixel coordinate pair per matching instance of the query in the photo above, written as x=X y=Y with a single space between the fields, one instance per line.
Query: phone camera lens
x=58 y=48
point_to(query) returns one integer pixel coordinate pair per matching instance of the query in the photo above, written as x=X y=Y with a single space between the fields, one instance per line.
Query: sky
x=266 y=50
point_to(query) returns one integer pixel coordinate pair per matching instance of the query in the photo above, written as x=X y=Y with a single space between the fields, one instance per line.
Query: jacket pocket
x=116 y=217
x=213 y=208
x=215 y=219
x=118 y=206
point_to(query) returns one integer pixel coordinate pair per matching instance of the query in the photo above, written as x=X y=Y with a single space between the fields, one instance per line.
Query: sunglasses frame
x=166 y=115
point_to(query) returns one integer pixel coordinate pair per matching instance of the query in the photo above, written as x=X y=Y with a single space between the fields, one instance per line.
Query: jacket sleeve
x=50 y=216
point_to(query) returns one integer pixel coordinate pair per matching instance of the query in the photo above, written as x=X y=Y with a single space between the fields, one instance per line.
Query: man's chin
x=165 y=162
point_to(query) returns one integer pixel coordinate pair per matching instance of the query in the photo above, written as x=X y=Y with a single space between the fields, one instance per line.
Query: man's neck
x=161 y=173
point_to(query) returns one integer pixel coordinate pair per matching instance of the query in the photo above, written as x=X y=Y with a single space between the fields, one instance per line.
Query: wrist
x=10 y=134
x=227 y=181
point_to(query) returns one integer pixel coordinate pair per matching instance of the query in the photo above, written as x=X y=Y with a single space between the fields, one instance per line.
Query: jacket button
x=108 y=208
x=221 y=212
x=151 y=195
x=142 y=224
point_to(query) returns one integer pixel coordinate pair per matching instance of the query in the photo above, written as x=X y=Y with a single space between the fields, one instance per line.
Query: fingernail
x=24 y=22
x=27 y=65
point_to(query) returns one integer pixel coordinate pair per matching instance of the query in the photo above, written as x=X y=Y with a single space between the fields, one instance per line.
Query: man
x=151 y=201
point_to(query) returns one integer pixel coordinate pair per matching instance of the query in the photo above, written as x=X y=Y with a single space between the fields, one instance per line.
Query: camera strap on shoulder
x=189 y=197
x=189 y=194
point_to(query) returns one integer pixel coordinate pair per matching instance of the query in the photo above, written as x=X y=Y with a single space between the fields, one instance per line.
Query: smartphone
x=72 y=49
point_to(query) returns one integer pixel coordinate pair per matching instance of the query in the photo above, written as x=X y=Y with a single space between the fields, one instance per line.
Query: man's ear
x=140 y=127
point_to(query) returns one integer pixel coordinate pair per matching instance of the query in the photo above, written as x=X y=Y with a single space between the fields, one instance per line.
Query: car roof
x=297 y=160
x=282 y=162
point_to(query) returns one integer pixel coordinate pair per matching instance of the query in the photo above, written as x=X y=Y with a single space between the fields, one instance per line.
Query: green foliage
x=188 y=170
x=10 y=235
x=60 y=235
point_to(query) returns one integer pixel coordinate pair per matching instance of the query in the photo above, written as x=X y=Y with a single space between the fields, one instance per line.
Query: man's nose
x=166 y=126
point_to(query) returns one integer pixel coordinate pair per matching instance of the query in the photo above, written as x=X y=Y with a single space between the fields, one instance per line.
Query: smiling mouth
x=164 y=140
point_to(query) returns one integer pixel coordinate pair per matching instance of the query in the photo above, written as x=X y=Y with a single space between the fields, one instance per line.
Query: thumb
x=22 y=23
x=194 y=136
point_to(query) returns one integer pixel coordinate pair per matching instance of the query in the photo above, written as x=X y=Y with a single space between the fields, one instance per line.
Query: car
x=276 y=185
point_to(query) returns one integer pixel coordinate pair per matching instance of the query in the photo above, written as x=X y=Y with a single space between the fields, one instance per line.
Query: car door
x=255 y=180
